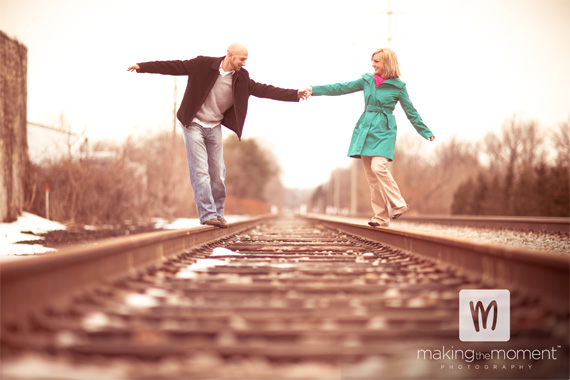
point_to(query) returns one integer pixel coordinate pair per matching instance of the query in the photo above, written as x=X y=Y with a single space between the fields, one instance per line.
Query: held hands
x=304 y=93
x=133 y=67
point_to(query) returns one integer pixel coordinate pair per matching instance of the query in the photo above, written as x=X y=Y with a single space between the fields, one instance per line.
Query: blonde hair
x=390 y=61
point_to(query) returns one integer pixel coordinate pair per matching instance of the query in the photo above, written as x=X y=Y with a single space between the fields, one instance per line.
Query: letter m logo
x=475 y=309
x=478 y=309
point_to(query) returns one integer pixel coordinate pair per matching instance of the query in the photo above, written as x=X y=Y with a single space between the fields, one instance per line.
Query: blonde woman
x=374 y=136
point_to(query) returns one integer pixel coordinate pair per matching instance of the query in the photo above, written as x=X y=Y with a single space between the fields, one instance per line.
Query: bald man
x=217 y=94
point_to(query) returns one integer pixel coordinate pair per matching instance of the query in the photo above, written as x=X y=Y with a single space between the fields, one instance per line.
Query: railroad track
x=279 y=298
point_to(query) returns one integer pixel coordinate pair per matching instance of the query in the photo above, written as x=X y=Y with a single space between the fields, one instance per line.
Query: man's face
x=237 y=60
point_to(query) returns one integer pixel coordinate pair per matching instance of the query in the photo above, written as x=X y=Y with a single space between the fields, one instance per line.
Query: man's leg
x=217 y=168
x=197 y=156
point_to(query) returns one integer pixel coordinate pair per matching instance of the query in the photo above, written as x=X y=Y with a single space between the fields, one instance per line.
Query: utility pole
x=354 y=187
x=174 y=108
x=389 y=13
x=336 y=191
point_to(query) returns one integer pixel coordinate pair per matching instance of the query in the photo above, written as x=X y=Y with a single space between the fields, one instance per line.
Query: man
x=217 y=94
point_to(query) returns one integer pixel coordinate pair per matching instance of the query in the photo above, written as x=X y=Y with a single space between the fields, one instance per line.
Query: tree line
x=522 y=169
x=145 y=178
x=527 y=173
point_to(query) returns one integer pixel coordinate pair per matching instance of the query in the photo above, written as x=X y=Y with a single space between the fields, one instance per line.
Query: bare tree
x=561 y=142
x=519 y=180
x=513 y=155
x=429 y=183
x=532 y=145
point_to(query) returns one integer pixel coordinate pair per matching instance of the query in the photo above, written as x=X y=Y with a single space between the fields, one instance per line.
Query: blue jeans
x=204 y=152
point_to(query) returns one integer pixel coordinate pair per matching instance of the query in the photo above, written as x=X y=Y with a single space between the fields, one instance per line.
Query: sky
x=469 y=65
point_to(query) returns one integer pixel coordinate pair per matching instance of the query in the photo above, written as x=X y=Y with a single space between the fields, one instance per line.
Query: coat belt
x=377 y=109
x=391 y=122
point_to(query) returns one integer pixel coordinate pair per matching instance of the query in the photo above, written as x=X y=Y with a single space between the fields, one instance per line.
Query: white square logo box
x=484 y=315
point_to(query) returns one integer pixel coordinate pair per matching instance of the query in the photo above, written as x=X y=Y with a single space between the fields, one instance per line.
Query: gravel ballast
x=553 y=243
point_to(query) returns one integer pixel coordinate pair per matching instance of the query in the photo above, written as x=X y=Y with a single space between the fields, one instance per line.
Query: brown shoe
x=212 y=222
x=396 y=213
x=223 y=222
x=376 y=223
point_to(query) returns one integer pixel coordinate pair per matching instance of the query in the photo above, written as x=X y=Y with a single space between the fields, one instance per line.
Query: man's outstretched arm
x=164 y=67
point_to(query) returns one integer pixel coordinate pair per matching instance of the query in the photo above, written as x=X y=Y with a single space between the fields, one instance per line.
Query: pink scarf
x=379 y=80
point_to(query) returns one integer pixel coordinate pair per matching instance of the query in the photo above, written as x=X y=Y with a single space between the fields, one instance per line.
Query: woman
x=374 y=136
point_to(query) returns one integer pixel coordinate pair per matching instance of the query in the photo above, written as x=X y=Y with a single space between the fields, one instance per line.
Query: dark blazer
x=202 y=73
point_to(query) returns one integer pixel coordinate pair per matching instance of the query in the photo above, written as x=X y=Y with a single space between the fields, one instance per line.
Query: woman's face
x=378 y=64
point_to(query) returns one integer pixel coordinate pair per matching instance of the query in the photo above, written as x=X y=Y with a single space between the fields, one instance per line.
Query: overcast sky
x=469 y=65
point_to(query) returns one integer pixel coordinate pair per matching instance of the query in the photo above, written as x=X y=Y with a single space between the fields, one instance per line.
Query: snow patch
x=221 y=251
x=201 y=265
x=23 y=230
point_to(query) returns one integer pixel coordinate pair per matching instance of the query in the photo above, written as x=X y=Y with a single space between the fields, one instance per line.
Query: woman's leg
x=390 y=188
x=377 y=197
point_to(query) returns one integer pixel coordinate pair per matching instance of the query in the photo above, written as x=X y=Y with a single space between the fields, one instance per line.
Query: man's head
x=236 y=57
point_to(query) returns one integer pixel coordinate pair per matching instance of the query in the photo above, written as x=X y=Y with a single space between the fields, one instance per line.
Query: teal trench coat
x=375 y=131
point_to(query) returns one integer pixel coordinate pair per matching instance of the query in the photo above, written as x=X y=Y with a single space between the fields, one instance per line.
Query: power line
x=52 y=128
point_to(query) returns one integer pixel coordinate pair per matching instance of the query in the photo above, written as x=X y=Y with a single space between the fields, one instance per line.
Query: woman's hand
x=431 y=138
x=304 y=93
x=133 y=67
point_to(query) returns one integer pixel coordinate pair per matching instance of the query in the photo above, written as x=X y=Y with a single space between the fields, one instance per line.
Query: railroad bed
x=288 y=298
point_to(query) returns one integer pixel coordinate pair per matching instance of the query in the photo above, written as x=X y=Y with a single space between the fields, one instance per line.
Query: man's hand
x=304 y=93
x=431 y=138
x=133 y=67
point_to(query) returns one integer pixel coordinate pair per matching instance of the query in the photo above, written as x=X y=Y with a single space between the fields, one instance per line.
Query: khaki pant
x=383 y=188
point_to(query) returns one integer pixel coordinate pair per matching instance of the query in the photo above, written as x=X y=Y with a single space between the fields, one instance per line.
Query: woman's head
x=385 y=63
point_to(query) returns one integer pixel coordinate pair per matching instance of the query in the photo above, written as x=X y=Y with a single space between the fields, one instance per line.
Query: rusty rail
x=28 y=285
x=525 y=223
x=539 y=274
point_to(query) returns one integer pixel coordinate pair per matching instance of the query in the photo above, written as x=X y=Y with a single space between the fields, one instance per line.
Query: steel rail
x=28 y=285
x=531 y=223
x=540 y=275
